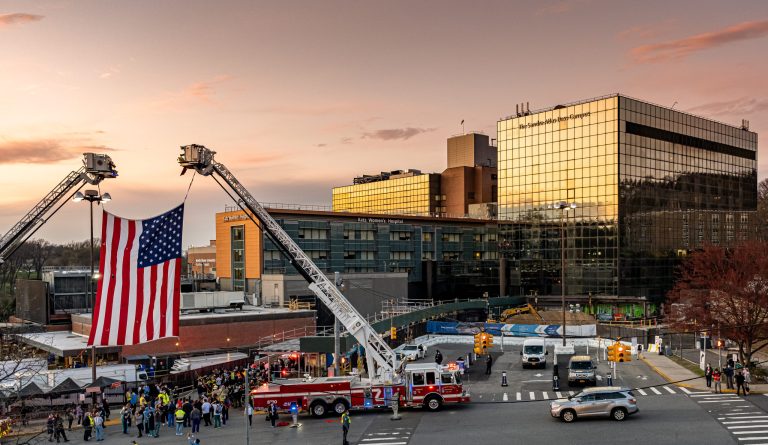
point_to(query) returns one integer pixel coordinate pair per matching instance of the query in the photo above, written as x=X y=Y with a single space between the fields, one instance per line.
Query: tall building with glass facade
x=648 y=183
x=394 y=193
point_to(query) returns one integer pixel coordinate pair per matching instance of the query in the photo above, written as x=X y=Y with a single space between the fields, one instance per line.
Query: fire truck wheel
x=318 y=409
x=339 y=406
x=433 y=403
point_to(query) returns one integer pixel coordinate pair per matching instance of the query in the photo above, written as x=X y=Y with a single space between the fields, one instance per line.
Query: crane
x=96 y=167
x=381 y=359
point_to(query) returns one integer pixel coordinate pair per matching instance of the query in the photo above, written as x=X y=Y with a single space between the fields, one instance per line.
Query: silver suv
x=612 y=401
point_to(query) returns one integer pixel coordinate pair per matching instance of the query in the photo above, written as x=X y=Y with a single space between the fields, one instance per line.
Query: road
x=668 y=414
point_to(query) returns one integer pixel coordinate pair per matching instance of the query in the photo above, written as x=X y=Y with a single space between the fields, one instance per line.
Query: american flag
x=138 y=292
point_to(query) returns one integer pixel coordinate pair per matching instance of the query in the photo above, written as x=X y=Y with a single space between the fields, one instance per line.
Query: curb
x=685 y=385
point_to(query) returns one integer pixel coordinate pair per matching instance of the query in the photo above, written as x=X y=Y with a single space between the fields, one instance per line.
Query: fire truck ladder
x=95 y=168
x=378 y=353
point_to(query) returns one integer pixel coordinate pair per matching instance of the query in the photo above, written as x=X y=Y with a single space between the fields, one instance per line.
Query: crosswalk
x=529 y=396
x=746 y=422
x=387 y=436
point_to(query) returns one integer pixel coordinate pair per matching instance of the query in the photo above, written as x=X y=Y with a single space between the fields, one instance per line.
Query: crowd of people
x=735 y=377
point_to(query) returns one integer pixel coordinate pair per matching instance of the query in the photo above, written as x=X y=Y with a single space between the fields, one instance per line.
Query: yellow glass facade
x=411 y=195
x=569 y=154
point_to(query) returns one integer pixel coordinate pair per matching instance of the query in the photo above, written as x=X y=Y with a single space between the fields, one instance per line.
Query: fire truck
x=391 y=384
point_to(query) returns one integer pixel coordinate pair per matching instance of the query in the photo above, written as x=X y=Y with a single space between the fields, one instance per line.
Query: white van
x=534 y=353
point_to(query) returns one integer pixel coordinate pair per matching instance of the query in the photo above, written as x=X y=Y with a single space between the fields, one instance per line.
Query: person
x=716 y=379
x=60 y=434
x=187 y=407
x=79 y=413
x=50 y=426
x=488 y=364
x=125 y=417
x=345 y=422
x=98 y=425
x=70 y=417
x=438 y=357
x=206 y=410
x=105 y=408
x=194 y=416
x=728 y=371
x=149 y=420
x=249 y=413
x=87 y=426
x=740 y=383
x=140 y=421
x=180 y=414
x=272 y=413
x=192 y=440
x=217 y=409
x=708 y=375
x=747 y=380
x=159 y=416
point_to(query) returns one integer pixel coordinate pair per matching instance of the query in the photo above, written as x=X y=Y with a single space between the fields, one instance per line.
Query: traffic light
x=623 y=353
x=612 y=353
x=479 y=343
x=720 y=343
x=488 y=341
x=393 y=333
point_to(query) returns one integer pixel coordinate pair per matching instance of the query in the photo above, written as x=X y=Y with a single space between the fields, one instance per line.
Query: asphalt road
x=667 y=414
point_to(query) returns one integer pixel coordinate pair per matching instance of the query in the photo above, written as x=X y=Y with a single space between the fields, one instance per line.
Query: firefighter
x=488 y=364
x=345 y=422
x=438 y=357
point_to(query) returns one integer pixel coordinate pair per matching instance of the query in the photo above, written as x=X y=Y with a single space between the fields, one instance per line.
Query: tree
x=725 y=289
x=762 y=209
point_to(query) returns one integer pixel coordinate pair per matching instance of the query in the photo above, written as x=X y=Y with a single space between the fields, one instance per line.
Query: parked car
x=609 y=401
x=411 y=352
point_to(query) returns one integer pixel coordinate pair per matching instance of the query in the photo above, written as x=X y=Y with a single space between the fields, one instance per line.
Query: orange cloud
x=44 y=151
x=18 y=18
x=678 y=49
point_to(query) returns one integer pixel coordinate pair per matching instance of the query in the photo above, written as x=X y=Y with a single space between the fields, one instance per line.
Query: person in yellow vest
x=345 y=422
x=180 y=421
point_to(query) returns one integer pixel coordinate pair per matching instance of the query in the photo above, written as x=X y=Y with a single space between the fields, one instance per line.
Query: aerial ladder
x=96 y=167
x=381 y=360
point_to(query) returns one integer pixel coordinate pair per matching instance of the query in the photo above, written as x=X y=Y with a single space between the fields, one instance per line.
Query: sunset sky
x=298 y=97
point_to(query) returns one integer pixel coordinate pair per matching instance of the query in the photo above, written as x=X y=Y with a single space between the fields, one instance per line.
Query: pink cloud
x=18 y=18
x=393 y=134
x=195 y=93
x=678 y=49
x=738 y=107
x=45 y=151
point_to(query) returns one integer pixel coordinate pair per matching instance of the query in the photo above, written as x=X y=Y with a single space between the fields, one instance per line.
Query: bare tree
x=725 y=289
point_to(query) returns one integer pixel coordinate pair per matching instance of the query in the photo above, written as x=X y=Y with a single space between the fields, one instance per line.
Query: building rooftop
x=529 y=112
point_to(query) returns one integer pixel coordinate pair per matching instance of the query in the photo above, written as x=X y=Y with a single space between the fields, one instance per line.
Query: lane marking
x=653 y=388
x=532 y=395
x=518 y=396
x=669 y=390
x=559 y=395
x=546 y=396
x=744 y=421
x=642 y=392
x=685 y=390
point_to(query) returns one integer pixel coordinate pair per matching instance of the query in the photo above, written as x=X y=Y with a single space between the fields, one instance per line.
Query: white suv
x=411 y=352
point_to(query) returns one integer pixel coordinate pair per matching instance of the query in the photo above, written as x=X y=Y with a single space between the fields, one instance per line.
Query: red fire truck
x=427 y=385
x=415 y=385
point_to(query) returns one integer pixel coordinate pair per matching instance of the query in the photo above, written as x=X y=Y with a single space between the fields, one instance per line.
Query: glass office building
x=403 y=193
x=648 y=183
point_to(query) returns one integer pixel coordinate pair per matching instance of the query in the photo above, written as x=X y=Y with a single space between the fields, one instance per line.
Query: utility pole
x=247 y=400
x=336 y=332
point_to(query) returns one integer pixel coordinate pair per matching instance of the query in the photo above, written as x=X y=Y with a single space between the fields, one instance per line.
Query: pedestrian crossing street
x=528 y=396
x=747 y=423
x=387 y=436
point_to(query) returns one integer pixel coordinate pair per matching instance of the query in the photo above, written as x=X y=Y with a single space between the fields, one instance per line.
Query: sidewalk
x=38 y=426
x=674 y=373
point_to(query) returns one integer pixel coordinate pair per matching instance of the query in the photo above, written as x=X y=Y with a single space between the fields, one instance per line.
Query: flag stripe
x=106 y=311
x=164 y=300
x=102 y=255
x=138 y=295
x=176 y=301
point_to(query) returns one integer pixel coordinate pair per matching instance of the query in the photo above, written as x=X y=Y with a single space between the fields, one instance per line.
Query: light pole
x=92 y=196
x=563 y=207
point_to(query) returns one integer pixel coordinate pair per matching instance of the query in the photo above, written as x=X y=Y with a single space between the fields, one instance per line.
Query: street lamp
x=564 y=207
x=92 y=196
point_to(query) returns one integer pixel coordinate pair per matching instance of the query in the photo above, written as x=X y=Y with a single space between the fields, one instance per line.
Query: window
x=418 y=379
x=446 y=379
x=471 y=195
x=401 y=255
x=399 y=236
x=350 y=255
x=426 y=236
x=430 y=378
x=313 y=234
x=451 y=237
